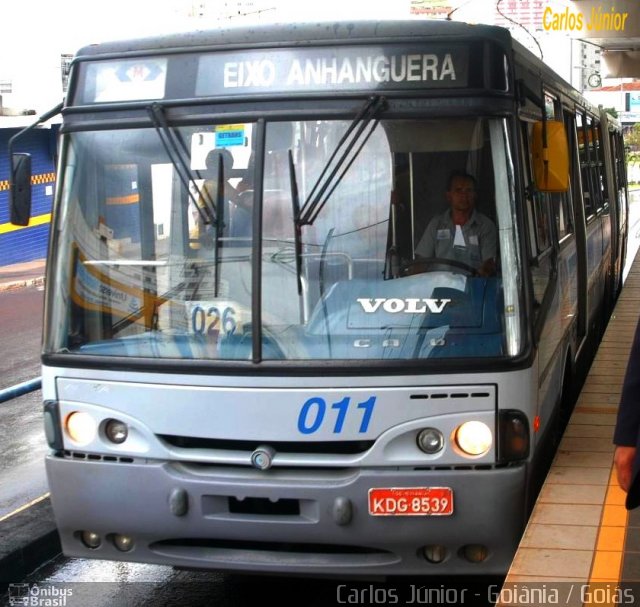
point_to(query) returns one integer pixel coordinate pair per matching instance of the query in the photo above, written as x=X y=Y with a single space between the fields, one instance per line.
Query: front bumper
x=303 y=521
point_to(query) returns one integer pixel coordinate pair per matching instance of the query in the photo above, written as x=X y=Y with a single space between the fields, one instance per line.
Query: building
x=577 y=61
x=623 y=97
x=20 y=244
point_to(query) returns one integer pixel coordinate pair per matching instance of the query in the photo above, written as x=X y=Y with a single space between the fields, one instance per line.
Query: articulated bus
x=248 y=365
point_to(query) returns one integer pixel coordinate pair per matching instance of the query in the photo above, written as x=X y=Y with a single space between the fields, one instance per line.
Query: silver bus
x=253 y=360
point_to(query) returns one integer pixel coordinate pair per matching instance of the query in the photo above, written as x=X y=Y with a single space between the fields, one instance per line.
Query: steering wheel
x=433 y=264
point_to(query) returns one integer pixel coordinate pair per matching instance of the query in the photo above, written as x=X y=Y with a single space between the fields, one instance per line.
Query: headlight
x=473 y=438
x=116 y=431
x=80 y=427
x=430 y=440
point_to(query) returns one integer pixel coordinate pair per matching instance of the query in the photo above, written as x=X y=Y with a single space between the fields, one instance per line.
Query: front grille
x=497 y=466
x=283 y=547
x=444 y=395
x=95 y=457
x=324 y=447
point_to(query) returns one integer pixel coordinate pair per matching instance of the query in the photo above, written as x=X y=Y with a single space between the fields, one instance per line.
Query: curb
x=20 y=284
x=29 y=539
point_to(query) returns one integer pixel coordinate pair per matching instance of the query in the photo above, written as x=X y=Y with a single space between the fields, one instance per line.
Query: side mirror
x=20 y=193
x=550 y=152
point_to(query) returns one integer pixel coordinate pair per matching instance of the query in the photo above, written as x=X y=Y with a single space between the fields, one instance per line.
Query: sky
x=37 y=32
x=74 y=23
x=79 y=22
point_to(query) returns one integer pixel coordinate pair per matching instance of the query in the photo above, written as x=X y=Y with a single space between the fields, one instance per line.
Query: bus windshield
x=336 y=239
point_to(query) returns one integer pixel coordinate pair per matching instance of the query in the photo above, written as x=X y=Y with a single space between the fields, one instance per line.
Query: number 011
x=314 y=411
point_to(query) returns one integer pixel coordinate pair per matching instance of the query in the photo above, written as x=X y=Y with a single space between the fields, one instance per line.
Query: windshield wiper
x=335 y=169
x=219 y=225
x=178 y=154
x=297 y=226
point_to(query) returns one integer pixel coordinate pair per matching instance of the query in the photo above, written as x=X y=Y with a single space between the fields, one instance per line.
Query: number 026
x=212 y=320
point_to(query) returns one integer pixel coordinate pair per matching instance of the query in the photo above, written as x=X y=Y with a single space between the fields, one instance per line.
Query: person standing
x=626 y=435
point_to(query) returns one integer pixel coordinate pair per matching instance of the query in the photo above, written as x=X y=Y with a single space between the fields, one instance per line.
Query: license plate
x=411 y=501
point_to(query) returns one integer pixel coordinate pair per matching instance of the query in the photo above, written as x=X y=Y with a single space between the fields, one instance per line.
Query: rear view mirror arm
x=20 y=189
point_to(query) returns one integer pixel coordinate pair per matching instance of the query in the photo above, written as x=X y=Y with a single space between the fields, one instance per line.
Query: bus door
x=542 y=256
x=576 y=185
x=614 y=157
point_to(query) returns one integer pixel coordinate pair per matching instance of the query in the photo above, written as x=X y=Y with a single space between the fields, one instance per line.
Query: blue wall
x=30 y=242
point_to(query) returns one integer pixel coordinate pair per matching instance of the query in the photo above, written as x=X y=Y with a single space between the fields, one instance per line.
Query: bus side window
x=585 y=172
x=539 y=224
x=617 y=147
x=561 y=207
x=563 y=212
x=600 y=178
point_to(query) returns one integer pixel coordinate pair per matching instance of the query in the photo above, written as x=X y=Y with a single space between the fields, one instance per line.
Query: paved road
x=20 y=334
x=22 y=450
x=22 y=442
x=109 y=584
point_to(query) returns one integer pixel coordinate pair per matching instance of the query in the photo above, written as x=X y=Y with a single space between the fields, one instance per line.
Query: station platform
x=580 y=535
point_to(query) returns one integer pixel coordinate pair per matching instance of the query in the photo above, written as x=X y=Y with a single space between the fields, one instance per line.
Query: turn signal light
x=514 y=435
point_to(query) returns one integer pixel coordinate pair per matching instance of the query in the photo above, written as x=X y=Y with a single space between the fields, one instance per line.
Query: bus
x=247 y=364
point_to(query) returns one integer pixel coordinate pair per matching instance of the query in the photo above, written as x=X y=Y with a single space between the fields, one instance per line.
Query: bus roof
x=299 y=34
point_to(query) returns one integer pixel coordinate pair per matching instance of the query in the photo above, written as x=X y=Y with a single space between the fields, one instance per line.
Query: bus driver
x=461 y=233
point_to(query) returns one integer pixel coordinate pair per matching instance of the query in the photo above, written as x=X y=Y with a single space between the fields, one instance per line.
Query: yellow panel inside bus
x=550 y=163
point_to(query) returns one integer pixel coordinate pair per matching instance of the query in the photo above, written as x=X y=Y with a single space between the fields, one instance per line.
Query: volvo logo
x=262 y=457
x=408 y=306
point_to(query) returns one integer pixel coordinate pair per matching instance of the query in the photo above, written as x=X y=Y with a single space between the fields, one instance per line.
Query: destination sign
x=350 y=68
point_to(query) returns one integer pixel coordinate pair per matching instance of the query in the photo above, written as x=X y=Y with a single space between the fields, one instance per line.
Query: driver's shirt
x=472 y=244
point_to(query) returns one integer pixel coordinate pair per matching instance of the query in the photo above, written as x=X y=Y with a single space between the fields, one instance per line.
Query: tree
x=632 y=144
x=633 y=136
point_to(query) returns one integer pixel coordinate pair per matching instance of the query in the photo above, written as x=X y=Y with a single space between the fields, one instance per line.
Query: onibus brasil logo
x=33 y=595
